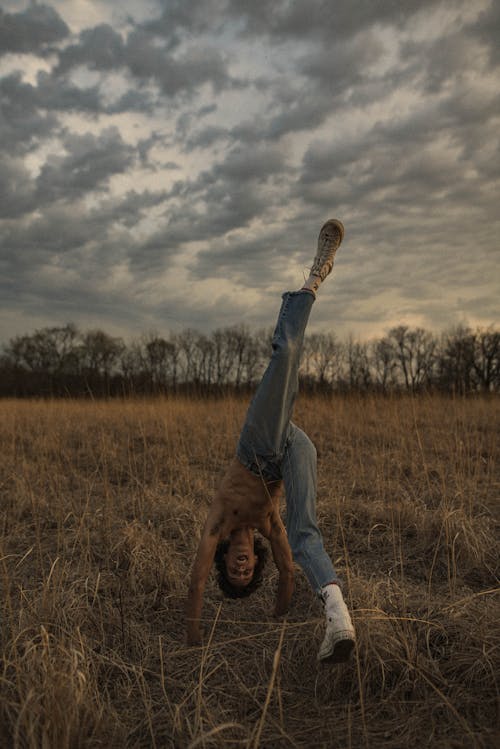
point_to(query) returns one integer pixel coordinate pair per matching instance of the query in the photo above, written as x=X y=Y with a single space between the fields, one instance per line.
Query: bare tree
x=206 y=365
x=357 y=364
x=456 y=360
x=239 y=341
x=223 y=355
x=414 y=353
x=100 y=356
x=131 y=366
x=322 y=357
x=48 y=350
x=160 y=360
x=383 y=362
x=60 y=360
x=487 y=358
x=253 y=361
x=187 y=354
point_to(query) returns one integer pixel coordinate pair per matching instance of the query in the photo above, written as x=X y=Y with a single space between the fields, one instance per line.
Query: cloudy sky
x=167 y=163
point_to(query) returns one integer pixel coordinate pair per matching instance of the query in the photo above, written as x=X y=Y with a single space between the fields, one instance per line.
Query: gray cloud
x=23 y=125
x=104 y=49
x=283 y=19
x=88 y=164
x=72 y=263
x=100 y=48
x=206 y=137
x=344 y=64
x=487 y=30
x=53 y=94
x=16 y=188
x=142 y=102
x=197 y=16
x=229 y=195
x=32 y=30
x=324 y=20
x=28 y=111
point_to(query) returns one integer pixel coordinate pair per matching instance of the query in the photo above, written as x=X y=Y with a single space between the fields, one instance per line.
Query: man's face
x=240 y=564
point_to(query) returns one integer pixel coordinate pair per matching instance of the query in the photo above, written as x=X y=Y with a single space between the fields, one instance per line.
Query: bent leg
x=266 y=429
x=304 y=536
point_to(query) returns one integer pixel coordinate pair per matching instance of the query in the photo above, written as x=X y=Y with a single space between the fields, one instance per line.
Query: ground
x=101 y=508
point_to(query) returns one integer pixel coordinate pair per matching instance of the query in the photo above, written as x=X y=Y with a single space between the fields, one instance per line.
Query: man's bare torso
x=244 y=499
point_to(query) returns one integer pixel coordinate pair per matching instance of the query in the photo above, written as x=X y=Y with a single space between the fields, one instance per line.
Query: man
x=272 y=451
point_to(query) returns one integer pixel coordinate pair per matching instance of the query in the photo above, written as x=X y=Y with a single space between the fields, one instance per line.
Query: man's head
x=240 y=570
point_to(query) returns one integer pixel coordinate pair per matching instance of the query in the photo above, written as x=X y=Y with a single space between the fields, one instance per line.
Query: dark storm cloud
x=29 y=111
x=402 y=157
x=232 y=192
x=283 y=19
x=399 y=156
x=324 y=76
x=128 y=210
x=103 y=49
x=248 y=258
x=88 y=244
x=211 y=215
x=16 y=188
x=100 y=48
x=142 y=102
x=226 y=197
x=487 y=29
x=197 y=16
x=57 y=95
x=33 y=242
x=344 y=64
x=324 y=19
x=23 y=125
x=243 y=164
x=206 y=137
x=32 y=30
x=87 y=165
x=307 y=108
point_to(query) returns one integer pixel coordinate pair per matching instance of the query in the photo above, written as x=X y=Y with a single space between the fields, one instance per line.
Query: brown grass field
x=101 y=507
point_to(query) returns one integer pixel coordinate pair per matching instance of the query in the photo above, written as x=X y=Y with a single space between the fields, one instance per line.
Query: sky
x=167 y=164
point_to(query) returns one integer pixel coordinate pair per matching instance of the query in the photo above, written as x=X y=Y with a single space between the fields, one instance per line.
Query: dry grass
x=102 y=505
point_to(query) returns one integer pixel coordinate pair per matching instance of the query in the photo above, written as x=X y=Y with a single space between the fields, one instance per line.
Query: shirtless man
x=273 y=451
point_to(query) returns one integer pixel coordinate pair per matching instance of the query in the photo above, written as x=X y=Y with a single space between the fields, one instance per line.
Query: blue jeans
x=272 y=446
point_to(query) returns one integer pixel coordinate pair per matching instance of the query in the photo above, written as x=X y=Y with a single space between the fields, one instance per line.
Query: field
x=101 y=508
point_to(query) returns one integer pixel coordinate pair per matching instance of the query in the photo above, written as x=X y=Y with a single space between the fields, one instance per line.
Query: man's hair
x=227 y=588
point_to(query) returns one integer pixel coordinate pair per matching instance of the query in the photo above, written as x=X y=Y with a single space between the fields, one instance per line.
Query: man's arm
x=284 y=562
x=199 y=574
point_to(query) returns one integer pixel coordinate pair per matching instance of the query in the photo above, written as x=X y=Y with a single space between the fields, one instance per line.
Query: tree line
x=64 y=361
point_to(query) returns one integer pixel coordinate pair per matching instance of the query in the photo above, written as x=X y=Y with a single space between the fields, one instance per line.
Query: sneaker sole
x=320 y=264
x=338 y=224
x=341 y=652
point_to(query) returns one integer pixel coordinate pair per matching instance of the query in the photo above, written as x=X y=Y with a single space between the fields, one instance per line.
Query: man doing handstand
x=273 y=451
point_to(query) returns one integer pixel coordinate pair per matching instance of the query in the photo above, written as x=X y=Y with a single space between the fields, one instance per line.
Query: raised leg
x=267 y=425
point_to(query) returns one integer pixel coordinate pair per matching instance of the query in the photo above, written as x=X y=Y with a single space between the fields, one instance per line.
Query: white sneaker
x=338 y=643
x=339 y=638
x=330 y=237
